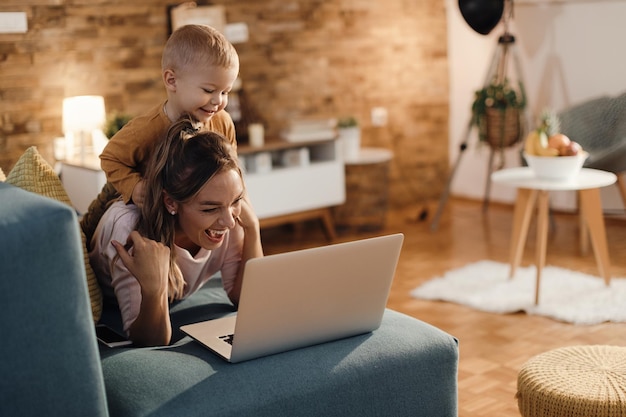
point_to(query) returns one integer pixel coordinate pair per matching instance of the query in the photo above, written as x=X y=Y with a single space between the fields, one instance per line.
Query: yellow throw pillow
x=32 y=173
x=2 y=176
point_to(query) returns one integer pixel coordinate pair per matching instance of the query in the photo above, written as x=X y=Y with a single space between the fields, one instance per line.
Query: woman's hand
x=149 y=264
x=247 y=217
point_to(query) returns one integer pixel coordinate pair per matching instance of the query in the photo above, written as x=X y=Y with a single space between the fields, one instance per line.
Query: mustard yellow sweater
x=125 y=156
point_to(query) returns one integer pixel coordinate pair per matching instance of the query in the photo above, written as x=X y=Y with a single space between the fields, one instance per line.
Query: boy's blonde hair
x=193 y=45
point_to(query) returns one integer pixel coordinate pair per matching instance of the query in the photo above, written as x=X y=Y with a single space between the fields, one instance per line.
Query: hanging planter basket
x=497 y=111
x=502 y=127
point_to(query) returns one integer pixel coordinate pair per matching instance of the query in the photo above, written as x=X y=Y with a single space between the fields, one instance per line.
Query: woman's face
x=204 y=220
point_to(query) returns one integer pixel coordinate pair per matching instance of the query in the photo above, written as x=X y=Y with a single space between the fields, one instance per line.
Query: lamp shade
x=482 y=15
x=83 y=113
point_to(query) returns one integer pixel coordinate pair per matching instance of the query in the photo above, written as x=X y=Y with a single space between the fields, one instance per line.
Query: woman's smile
x=214 y=235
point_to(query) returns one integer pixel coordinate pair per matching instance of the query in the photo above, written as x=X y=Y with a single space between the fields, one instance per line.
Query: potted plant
x=349 y=135
x=115 y=121
x=497 y=111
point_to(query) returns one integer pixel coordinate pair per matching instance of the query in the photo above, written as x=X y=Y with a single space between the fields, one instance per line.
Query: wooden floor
x=492 y=347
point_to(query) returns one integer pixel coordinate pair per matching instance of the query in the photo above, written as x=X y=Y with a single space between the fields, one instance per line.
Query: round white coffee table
x=533 y=191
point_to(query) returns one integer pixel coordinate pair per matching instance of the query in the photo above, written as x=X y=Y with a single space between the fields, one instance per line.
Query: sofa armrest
x=50 y=362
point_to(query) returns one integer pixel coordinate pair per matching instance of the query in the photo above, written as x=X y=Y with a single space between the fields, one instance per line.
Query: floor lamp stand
x=498 y=70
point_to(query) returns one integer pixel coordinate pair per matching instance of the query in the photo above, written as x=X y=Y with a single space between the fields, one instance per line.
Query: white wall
x=570 y=51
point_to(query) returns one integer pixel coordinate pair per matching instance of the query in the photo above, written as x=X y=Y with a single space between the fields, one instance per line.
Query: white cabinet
x=286 y=180
x=83 y=181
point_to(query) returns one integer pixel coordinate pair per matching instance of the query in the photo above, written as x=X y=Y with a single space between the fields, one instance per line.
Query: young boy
x=199 y=67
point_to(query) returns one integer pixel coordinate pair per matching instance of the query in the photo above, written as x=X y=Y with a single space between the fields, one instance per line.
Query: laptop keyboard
x=228 y=338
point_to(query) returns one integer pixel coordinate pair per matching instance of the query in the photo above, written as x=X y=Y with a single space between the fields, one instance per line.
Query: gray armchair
x=599 y=126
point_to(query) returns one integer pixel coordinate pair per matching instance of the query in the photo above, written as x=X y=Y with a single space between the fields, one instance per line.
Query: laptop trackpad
x=214 y=334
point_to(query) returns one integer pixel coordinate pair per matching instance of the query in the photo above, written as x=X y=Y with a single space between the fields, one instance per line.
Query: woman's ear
x=170 y=204
x=169 y=79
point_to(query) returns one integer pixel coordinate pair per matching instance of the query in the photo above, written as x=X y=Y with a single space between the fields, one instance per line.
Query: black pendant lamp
x=482 y=15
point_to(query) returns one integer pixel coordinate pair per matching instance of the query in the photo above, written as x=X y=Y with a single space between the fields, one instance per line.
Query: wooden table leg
x=524 y=205
x=542 y=237
x=591 y=206
x=621 y=185
x=583 y=230
x=492 y=154
x=329 y=225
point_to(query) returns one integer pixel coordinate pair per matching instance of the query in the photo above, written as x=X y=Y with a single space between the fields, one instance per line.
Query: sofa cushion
x=404 y=368
x=32 y=173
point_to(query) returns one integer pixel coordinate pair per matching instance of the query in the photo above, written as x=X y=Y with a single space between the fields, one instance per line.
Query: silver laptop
x=302 y=298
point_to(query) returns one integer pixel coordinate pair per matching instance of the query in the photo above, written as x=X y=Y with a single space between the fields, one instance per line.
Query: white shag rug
x=564 y=295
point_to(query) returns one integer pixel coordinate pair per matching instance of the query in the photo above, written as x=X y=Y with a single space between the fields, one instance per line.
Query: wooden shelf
x=278 y=145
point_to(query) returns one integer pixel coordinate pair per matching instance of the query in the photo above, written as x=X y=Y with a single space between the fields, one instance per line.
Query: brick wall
x=315 y=58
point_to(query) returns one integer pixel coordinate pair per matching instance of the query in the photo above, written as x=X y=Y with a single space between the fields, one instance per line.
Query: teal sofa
x=52 y=364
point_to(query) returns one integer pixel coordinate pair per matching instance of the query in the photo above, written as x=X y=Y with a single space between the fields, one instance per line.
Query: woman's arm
x=149 y=264
x=252 y=247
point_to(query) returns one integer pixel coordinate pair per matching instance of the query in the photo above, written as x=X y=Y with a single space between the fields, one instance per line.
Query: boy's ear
x=169 y=79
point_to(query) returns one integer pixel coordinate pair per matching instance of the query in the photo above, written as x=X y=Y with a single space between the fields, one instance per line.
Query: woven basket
x=575 y=381
x=502 y=128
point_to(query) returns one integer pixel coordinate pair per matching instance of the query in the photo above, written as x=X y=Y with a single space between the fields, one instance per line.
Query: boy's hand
x=138 y=194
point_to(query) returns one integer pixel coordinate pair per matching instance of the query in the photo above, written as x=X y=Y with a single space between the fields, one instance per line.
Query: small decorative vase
x=350 y=142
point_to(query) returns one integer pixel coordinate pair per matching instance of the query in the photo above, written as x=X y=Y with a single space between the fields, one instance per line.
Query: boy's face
x=202 y=91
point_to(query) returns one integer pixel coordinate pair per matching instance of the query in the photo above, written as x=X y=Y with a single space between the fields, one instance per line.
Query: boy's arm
x=125 y=155
x=222 y=123
x=121 y=168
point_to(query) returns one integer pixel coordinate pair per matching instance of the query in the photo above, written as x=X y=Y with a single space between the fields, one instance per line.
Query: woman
x=195 y=221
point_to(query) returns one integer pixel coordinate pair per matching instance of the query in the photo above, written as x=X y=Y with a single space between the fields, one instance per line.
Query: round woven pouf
x=576 y=381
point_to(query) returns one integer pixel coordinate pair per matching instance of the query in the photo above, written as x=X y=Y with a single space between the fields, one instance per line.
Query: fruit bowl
x=557 y=168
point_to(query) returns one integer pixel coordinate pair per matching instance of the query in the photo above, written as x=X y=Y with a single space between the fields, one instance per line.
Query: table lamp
x=81 y=116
